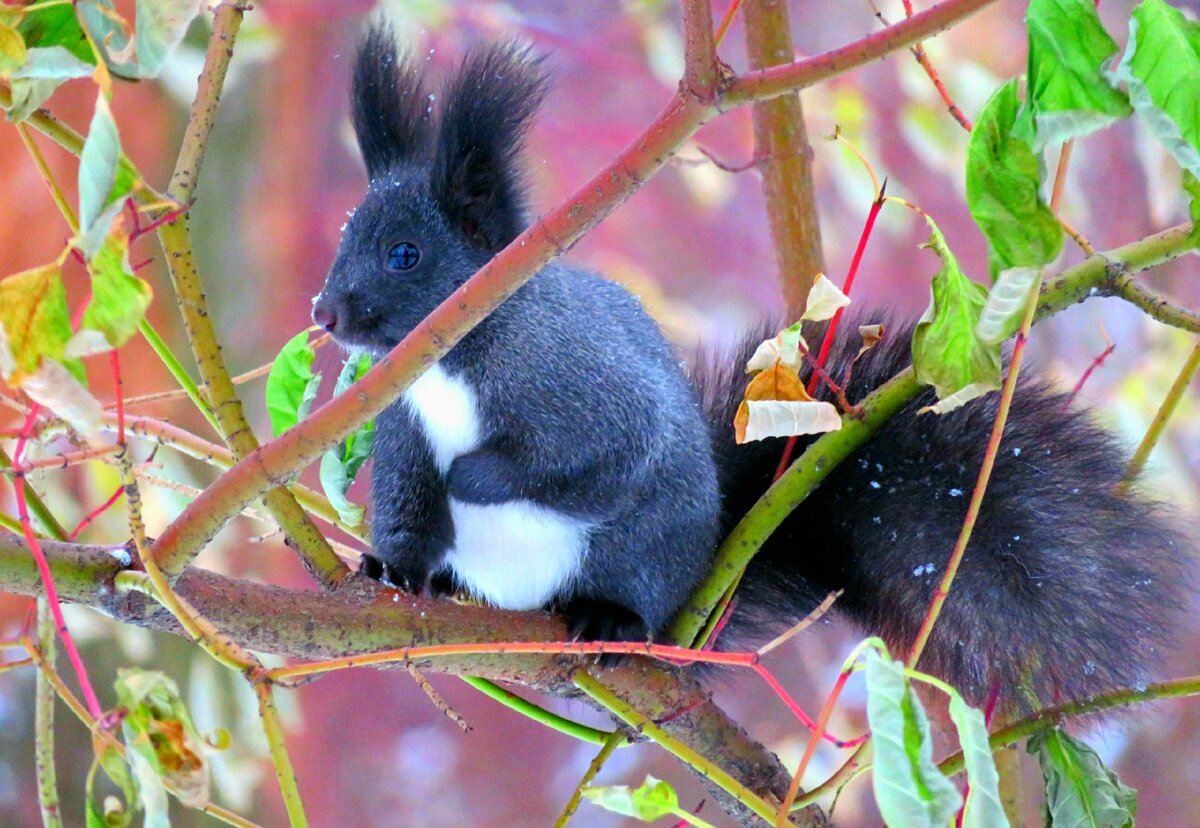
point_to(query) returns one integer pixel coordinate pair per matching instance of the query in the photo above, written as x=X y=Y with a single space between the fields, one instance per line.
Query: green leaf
x=947 y=354
x=161 y=742
x=1080 y=791
x=110 y=33
x=291 y=385
x=336 y=480
x=161 y=25
x=12 y=50
x=119 y=299
x=1067 y=93
x=909 y=789
x=99 y=201
x=53 y=26
x=983 y=808
x=34 y=321
x=112 y=813
x=1003 y=179
x=1161 y=68
x=357 y=447
x=1006 y=302
x=45 y=69
x=1191 y=185
x=340 y=465
x=655 y=799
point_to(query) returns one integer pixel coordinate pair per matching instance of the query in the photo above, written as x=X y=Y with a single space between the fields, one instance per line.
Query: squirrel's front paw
x=408 y=572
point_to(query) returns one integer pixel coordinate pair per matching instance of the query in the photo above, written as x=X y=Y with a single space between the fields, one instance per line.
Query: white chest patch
x=449 y=413
x=516 y=555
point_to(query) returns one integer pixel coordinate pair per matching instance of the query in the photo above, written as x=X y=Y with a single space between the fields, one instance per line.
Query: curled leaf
x=162 y=742
x=56 y=388
x=1161 y=69
x=871 y=335
x=654 y=800
x=776 y=404
x=291 y=385
x=1067 y=93
x=1006 y=301
x=947 y=353
x=774 y=418
x=909 y=789
x=1004 y=177
x=824 y=300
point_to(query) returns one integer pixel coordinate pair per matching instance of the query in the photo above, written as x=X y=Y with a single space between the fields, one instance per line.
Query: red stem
x=39 y=557
x=830 y=331
x=95 y=513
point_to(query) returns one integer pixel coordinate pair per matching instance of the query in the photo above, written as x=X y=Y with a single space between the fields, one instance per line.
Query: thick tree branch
x=364 y=618
x=785 y=159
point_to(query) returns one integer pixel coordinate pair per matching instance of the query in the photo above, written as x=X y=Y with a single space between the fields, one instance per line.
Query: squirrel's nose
x=324 y=315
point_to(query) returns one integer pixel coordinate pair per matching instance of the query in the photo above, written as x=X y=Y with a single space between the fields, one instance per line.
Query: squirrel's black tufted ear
x=488 y=105
x=390 y=107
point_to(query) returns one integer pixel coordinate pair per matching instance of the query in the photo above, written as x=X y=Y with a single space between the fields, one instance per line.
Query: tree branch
x=785 y=159
x=364 y=618
x=777 y=80
x=700 y=73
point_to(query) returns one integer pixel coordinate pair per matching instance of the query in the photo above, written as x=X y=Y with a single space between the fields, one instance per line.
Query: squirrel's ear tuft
x=390 y=107
x=487 y=108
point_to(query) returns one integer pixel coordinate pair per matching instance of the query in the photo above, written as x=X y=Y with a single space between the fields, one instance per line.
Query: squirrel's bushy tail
x=1068 y=584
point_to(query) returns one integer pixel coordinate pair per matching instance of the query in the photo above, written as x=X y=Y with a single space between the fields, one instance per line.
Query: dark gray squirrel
x=559 y=456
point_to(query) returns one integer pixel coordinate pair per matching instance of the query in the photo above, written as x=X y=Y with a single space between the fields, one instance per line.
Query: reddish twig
x=672 y=654
x=918 y=52
x=831 y=330
x=69 y=458
x=39 y=557
x=726 y=20
x=1091 y=369
x=95 y=513
x=818 y=731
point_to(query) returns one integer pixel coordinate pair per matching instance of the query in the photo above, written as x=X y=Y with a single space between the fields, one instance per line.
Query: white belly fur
x=516 y=555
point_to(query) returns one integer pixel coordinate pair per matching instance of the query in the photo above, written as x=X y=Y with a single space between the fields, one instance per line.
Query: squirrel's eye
x=403 y=256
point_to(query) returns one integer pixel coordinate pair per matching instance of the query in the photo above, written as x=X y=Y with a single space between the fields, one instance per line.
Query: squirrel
x=560 y=457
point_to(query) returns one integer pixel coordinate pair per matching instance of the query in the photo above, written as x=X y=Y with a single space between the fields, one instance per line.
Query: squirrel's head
x=444 y=192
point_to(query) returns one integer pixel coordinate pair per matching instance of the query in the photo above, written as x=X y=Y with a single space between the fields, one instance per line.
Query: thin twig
x=43 y=718
x=615 y=740
x=1178 y=388
x=985 y=472
x=438 y=701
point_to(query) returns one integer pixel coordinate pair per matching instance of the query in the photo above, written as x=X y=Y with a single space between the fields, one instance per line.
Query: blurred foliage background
x=282 y=171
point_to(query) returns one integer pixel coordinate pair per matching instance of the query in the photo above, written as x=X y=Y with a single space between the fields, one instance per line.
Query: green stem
x=1159 y=423
x=1052 y=716
x=785 y=494
x=177 y=370
x=539 y=714
x=279 y=755
x=701 y=764
x=613 y=741
x=43 y=718
x=1072 y=285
